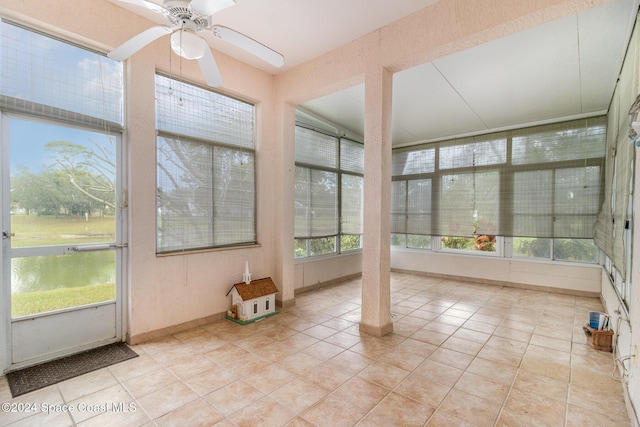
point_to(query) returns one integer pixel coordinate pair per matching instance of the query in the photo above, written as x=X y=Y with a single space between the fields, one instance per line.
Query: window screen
x=329 y=193
x=45 y=76
x=205 y=171
x=538 y=182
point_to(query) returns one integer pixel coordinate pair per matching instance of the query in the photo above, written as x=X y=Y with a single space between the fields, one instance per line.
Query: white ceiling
x=562 y=69
x=559 y=70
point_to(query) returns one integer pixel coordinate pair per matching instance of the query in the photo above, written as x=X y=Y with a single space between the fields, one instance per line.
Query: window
x=540 y=186
x=255 y=307
x=266 y=304
x=205 y=168
x=328 y=193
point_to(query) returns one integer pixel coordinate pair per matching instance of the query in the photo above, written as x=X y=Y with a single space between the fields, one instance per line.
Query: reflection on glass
x=63 y=185
x=41 y=284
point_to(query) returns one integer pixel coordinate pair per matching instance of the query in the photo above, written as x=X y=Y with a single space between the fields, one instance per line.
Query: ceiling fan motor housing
x=182 y=16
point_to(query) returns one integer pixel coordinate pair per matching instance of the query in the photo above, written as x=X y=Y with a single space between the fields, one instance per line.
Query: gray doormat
x=39 y=376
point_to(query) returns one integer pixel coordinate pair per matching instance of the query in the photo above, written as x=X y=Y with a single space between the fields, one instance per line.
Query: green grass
x=35 y=230
x=56 y=299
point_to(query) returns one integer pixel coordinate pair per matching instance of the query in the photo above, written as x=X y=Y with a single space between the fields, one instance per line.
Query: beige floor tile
x=149 y=382
x=210 y=380
x=513 y=334
x=299 y=341
x=495 y=370
x=323 y=350
x=542 y=409
x=588 y=378
x=383 y=374
x=248 y=364
x=539 y=384
x=299 y=363
x=462 y=345
x=581 y=417
x=474 y=325
x=420 y=388
x=198 y=413
x=365 y=395
x=328 y=376
x=472 y=335
x=86 y=384
x=442 y=419
x=434 y=371
x=233 y=397
x=350 y=361
x=299 y=422
x=399 y=410
x=30 y=405
x=451 y=358
x=55 y=419
x=461 y=354
x=333 y=412
x=469 y=408
x=265 y=412
x=167 y=399
x=107 y=400
x=553 y=343
x=134 y=367
x=189 y=366
x=431 y=337
x=343 y=339
x=483 y=387
x=415 y=347
x=299 y=394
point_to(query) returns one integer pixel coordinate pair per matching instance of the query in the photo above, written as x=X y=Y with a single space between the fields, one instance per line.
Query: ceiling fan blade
x=209 y=7
x=248 y=44
x=210 y=69
x=136 y=43
x=147 y=5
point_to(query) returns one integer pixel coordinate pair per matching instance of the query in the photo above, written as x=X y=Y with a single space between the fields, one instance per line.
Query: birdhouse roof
x=255 y=289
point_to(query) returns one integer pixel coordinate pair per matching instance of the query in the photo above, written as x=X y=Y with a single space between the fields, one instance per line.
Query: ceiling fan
x=187 y=18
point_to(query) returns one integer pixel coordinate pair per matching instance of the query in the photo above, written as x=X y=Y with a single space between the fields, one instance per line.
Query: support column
x=376 y=253
x=284 y=168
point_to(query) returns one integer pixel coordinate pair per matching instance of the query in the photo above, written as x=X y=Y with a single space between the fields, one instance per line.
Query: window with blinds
x=50 y=78
x=329 y=188
x=205 y=168
x=541 y=182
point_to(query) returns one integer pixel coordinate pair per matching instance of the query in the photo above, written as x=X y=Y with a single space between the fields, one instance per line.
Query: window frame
x=340 y=171
x=214 y=144
x=507 y=172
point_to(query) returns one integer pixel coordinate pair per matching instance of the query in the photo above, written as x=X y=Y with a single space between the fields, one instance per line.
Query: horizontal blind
x=411 y=162
x=419 y=206
x=205 y=168
x=186 y=109
x=610 y=228
x=399 y=207
x=51 y=78
x=352 y=200
x=315 y=148
x=537 y=182
x=185 y=189
x=351 y=156
x=316 y=194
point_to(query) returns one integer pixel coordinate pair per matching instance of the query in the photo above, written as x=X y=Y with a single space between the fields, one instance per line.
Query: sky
x=29 y=138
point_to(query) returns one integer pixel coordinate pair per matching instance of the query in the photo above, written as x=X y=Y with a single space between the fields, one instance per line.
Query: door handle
x=97 y=247
x=7 y=235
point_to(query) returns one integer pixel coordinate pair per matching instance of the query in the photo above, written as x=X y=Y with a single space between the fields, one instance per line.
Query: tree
x=90 y=171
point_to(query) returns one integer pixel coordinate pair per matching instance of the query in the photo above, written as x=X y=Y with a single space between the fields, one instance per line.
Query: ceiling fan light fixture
x=186 y=43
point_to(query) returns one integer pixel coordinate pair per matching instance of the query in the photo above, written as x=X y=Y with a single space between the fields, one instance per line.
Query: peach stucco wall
x=163 y=292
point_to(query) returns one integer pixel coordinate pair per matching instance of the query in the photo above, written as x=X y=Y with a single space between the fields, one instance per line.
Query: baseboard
x=506 y=284
x=170 y=330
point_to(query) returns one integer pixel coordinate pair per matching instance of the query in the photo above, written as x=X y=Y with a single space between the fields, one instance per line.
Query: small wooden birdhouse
x=253 y=301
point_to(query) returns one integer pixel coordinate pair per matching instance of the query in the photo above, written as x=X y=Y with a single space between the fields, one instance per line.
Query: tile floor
x=461 y=355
